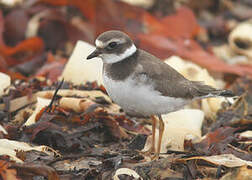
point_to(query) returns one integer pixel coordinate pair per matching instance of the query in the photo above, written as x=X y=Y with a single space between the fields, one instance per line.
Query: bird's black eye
x=112 y=45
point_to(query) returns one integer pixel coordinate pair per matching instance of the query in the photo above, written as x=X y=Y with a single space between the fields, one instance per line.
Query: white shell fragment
x=76 y=100
x=228 y=55
x=10 y=3
x=19 y=102
x=126 y=171
x=192 y=71
x=79 y=70
x=74 y=93
x=3 y=130
x=5 y=82
x=141 y=3
x=41 y=103
x=75 y=104
x=228 y=160
x=179 y=125
x=33 y=24
x=240 y=39
x=9 y=147
x=246 y=134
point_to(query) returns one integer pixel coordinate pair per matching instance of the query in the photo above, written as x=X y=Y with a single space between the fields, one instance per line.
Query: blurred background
x=215 y=34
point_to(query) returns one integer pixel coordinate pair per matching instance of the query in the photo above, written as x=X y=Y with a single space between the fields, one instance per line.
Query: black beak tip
x=89 y=57
x=93 y=54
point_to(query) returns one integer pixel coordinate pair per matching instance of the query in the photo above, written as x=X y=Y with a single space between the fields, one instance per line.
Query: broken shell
x=140 y=3
x=240 y=39
x=5 y=82
x=78 y=70
x=126 y=171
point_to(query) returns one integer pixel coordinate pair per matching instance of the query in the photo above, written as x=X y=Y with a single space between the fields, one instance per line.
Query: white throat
x=113 y=58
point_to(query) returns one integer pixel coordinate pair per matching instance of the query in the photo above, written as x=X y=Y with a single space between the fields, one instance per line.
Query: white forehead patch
x=113 y=58
x=99 y=43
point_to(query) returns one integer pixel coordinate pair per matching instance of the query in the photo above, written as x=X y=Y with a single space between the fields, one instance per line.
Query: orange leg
x=153 y=133
x=161 y=131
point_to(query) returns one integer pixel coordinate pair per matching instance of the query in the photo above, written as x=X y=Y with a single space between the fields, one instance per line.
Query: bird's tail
x=226 y=93
x=205 y=91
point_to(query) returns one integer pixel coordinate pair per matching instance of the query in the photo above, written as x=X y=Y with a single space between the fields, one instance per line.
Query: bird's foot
x=149 y=152
x=155 y=157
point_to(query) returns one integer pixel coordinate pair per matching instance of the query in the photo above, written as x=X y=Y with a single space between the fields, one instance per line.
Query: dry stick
x=49 y=107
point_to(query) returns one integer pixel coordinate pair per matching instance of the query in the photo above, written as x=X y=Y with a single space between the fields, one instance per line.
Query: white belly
x=141 y=99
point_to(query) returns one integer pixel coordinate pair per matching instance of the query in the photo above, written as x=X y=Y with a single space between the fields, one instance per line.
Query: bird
x=142 y=84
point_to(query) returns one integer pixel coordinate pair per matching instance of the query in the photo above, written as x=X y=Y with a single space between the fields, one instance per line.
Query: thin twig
x=49 y=107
